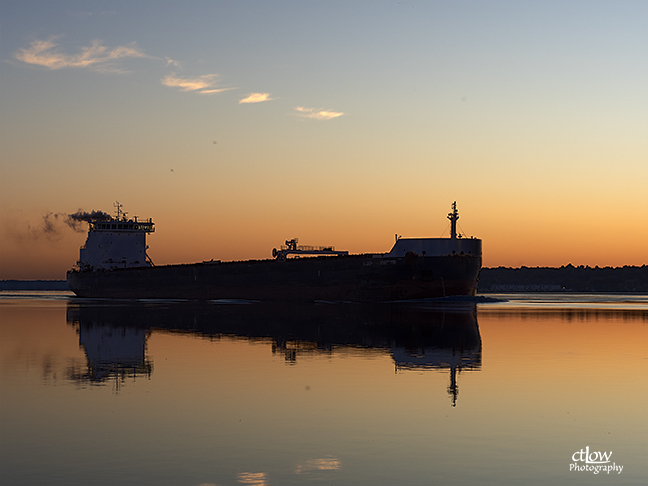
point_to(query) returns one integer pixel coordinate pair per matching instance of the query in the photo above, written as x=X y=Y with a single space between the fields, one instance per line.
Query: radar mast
x=118 y=209
x=453 y=217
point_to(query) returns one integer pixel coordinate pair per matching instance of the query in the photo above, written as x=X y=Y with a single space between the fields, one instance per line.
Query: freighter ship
x=113 y=264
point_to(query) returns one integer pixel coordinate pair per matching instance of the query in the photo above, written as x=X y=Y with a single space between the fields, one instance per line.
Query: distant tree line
x=33 y=285
x=565 y=278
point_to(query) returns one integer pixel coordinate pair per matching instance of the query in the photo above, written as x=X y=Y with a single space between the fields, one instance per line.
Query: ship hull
x=358 y=278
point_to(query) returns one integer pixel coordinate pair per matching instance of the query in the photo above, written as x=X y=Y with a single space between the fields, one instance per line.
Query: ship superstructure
x=115 y=243
x=457 y=244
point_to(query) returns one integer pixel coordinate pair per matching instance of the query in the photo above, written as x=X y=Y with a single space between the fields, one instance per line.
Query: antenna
x=119 y=211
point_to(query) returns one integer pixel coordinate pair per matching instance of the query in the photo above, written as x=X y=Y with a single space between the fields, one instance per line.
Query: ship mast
x=453 y=217
x=118 y=209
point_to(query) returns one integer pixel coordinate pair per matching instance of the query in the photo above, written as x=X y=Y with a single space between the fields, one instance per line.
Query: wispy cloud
x=205 y=84
x=96 y=56
x=256 y=98
x=314 y=114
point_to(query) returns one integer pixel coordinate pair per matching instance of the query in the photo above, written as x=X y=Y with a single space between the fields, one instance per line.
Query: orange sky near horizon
x=508 y=239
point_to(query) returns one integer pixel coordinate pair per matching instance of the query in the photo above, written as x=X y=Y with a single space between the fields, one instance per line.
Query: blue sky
x=362 y=119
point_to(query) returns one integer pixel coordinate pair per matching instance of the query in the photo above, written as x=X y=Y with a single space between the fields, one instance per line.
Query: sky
x=238 y=125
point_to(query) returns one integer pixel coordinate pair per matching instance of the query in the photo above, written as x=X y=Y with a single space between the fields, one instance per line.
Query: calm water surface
x=178 y=393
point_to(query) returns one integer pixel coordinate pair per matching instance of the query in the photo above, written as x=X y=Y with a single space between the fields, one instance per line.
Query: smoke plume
x=51 y=226
x=76 y=220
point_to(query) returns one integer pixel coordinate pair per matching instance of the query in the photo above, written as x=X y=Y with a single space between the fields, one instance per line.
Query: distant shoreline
x=33 y=285
x=564 y=279
x=491 y=280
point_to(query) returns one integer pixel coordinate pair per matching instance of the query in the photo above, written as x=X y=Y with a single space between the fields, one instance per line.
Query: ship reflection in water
x=114 y=350
x=441 y=337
